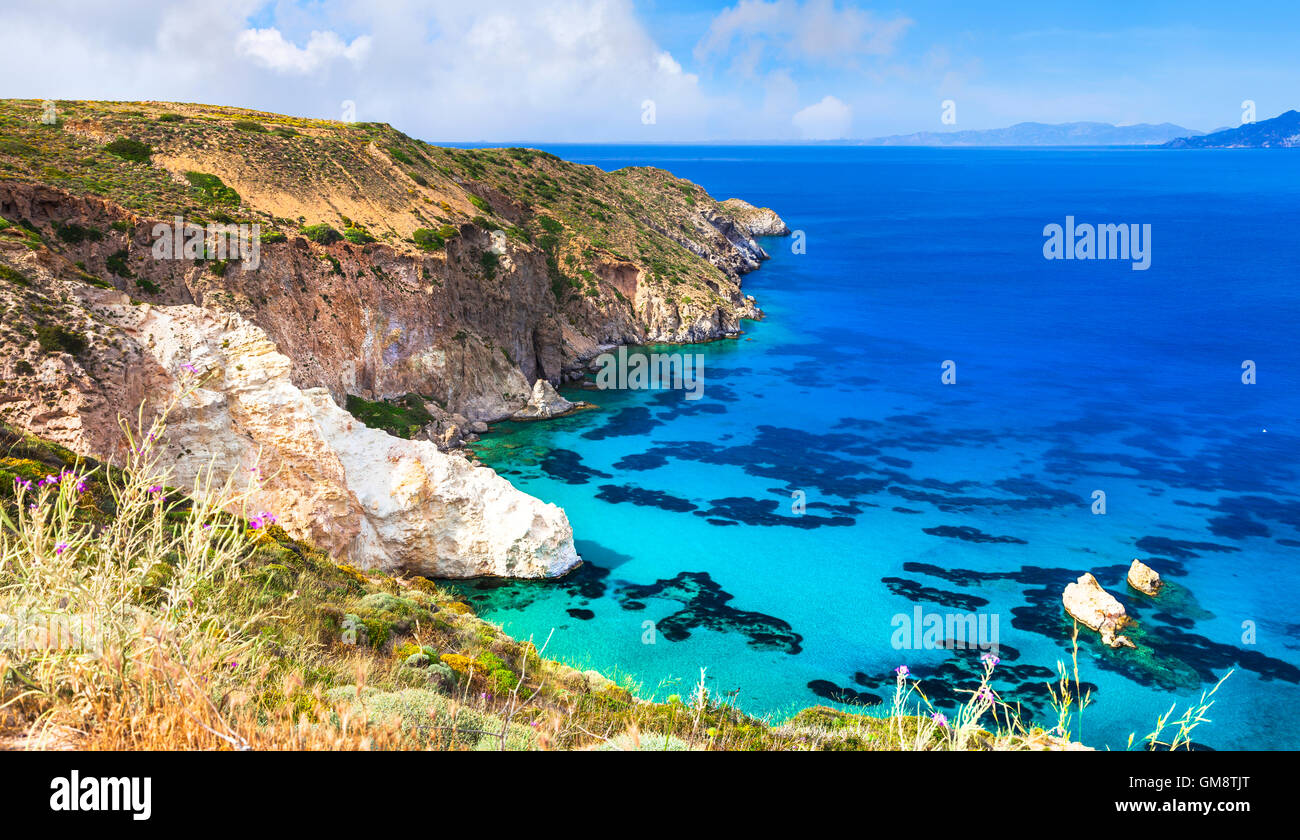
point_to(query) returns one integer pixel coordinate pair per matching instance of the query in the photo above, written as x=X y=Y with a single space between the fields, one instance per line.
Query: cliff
x=385 y=269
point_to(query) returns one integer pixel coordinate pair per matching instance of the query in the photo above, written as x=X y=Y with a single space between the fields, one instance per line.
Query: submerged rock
x=1097 y=609
x=1143 y=578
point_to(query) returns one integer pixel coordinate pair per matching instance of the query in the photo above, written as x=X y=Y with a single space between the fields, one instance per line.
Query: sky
x=653 y=71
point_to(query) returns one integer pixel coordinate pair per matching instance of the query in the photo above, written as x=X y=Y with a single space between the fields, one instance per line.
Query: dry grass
x=143 y=617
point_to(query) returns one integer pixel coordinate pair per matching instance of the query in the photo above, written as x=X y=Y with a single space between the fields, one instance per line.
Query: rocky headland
x=401 y=297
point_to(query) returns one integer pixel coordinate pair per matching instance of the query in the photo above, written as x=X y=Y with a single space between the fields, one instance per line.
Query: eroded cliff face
x=361 y=494
x=462 y=277
x=380 y=322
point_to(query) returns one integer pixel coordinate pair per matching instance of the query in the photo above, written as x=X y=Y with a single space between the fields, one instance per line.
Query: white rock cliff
x=378 y=500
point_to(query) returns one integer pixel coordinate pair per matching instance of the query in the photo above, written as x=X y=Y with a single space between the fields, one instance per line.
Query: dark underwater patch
x=621 y=493
x=1180 y=549
x=762 y=512
x=949 y=685
x=639 y=462
x=706 y=607
x=566 y=465
x=917 y=593
x=969 y=534
x=828 y=690
x=633 y=421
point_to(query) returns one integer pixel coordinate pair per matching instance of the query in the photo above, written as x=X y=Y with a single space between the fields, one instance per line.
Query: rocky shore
x=438 y=289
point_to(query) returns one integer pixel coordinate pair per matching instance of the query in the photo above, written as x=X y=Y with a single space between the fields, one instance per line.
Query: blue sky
x=669 y=70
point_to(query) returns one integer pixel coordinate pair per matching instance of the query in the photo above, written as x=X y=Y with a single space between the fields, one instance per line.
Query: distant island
x=1281 y=132
x=1045 y=134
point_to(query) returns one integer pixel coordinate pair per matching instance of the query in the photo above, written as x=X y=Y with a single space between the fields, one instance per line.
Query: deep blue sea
x=972 y=497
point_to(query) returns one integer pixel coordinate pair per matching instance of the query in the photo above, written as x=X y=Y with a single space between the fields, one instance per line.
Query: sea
x=934 y=429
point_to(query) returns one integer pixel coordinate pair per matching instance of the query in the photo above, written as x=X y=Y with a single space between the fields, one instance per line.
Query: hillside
x=432 y=287
x=1280 y=132
x=591 y=257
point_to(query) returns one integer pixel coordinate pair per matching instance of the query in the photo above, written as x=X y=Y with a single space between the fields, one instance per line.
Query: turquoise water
x=974 y=497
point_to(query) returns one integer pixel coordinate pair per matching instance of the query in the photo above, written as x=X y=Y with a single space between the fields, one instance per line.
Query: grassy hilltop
x=361 y=181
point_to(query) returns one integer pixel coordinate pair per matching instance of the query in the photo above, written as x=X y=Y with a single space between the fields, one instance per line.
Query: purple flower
x=59 y=549
x=81 y=486
x=989 y=659
x=156 y=489
x=262 y=520
x=902 y=671
x=939 y=718
x=189 y=368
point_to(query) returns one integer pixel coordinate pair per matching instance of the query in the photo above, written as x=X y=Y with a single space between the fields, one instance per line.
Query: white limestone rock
x=363 y=495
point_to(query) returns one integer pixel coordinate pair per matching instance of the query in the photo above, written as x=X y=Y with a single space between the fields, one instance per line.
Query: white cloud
x=269 y=48
x=814 y=31
x=829 y=119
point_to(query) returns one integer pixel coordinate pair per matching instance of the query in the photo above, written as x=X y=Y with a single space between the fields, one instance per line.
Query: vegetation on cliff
x=318 y=177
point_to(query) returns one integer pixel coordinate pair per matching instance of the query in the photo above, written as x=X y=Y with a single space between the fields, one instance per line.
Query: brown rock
x=1143 y=578
x=1097 y=609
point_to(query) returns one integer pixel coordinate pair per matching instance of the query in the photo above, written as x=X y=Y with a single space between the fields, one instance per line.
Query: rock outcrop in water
x=546 y=403
x=1143 y=578
x=1097 y=609
x=388 y=269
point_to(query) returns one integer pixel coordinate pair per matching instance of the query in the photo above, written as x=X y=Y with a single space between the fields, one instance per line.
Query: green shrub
x=249 y=125
x=212 y=189
x=357 y=235
x=11 y=275
x=54 y=338
x=480 y=203
x=116 y=263
x=322 y=234
x=398 y=155
x=429 y=240
x=170 y=117
x=403 y=418
x=418 y=178
x=127 y=149
x=503 y=681
x=74 y=234
x=272 y=236
x=490 y=261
